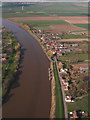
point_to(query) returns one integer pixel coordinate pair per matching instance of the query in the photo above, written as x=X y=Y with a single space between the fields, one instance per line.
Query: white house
x=68 y=99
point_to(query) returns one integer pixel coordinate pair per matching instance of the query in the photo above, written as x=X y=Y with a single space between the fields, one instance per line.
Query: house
x=62 y=70
x=66 y=69
x=65 y=83
x=72 y=72
x=75 y=45
x=84 y=68
x=53 y=51
x=42 y=38
x=40 y=31
x=65 y=88
x=75 y=114
x=4 y=59
x=59 y=53
x=69 y=99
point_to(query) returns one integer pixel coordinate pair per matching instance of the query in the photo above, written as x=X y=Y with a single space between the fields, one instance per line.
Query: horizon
x=44 y=1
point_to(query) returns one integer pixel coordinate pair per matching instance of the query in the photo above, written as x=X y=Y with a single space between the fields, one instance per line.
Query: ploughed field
x=65 y=28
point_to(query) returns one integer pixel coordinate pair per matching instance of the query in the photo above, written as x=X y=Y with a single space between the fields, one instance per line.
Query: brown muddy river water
x=30 y=96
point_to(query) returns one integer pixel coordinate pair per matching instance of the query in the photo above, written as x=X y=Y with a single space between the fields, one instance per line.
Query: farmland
x=46 y=7
x=74 y=57
x=86 y=26
x=71 y=20
x=66 y=28
x=53 y=25
x=73 y=36
x=48 y=24
x=9 y=15
x=44 y=22
x=64 y=35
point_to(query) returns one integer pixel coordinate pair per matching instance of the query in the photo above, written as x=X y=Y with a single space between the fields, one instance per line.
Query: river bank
x=10 y=61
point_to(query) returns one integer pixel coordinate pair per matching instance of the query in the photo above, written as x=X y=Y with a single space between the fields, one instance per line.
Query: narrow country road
x=30 y=96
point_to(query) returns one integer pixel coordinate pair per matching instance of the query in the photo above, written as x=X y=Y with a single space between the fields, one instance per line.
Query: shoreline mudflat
x=31 y=96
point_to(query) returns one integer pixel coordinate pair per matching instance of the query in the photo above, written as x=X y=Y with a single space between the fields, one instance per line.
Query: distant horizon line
x=42 y=1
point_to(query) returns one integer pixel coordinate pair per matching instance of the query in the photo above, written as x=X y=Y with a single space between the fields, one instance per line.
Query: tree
x=50 y=53
x=60 y=65
x=64 y=65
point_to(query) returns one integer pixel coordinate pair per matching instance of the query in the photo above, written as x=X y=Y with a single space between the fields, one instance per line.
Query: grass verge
x=59 y=112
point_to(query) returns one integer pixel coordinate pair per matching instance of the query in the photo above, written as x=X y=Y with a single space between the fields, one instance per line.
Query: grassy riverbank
x=59 y=113
x=10 y=60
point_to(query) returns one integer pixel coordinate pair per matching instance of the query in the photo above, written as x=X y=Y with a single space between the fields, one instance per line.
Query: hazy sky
x=39 y=0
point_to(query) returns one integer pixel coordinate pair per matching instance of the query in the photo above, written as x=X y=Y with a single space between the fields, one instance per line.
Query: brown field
x=69 y=40
x=65 y=28
x=72 y=20
x=76 y=66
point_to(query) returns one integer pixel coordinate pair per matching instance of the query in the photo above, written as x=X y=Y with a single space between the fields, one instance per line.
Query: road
x=30 y=96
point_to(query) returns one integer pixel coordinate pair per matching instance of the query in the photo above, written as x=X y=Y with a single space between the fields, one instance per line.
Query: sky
x=41 y=0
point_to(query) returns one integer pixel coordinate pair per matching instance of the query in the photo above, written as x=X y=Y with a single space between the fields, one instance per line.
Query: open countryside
x=54 y=42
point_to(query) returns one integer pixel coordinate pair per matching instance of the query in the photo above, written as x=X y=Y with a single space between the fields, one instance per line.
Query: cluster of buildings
x=65 y=83
x=5 y=46
x=76 y=114
x=66 y=78
x=53 y=43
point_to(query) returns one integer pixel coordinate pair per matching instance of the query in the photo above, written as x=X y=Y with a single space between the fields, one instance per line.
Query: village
x=73 y=72
x=51 y=41
x=45 y=60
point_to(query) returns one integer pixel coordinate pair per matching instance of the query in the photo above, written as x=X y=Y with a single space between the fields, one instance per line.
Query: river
x=30 y=96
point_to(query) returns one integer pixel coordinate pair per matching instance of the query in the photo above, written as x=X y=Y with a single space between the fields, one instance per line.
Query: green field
x=72 y=36
x=82 y=25
x=81 y=104
x=46 y=7
x=8 y=15
x=43 y=24
x=59 y=112
x=74 y=57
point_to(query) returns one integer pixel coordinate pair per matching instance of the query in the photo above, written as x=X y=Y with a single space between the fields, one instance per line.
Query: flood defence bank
x=31 y=98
